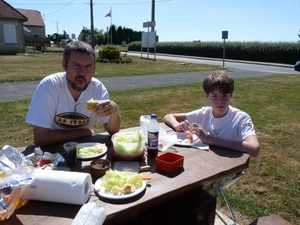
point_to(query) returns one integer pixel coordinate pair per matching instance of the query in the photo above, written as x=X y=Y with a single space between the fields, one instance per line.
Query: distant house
x=34 y=27
x=11 y=29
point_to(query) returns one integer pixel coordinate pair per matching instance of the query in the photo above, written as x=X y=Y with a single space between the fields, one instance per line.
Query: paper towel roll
x=60 y=186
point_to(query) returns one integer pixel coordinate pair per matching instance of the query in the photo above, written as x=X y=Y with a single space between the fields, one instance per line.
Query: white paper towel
x=60 y=186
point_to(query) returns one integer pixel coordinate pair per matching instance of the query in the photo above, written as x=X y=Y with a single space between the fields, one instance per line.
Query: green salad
x=89 y=151
x=128 y=144
x=113 y=179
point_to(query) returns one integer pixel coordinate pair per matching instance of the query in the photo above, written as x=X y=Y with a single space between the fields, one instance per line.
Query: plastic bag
x=45 y=160
x=16 y=173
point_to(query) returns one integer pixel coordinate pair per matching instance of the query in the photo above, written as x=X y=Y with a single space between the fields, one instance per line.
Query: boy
x=219 y=124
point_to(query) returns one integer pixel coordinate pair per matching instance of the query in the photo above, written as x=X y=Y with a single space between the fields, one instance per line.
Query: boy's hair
x=78 y=46
x=218 y=81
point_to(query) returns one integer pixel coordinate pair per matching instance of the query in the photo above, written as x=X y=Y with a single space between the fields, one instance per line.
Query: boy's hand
x=182 y=126
x=199 y=131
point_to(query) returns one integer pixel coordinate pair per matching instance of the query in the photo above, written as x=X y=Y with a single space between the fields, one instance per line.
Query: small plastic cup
x=71 y=152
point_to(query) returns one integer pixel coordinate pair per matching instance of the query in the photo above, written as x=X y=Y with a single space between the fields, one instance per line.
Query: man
x=58 y=108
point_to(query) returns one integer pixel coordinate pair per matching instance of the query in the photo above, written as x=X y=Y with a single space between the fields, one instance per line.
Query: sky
x=176 y=20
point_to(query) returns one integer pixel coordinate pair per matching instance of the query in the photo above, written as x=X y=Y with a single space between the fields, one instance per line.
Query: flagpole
x=111 y=25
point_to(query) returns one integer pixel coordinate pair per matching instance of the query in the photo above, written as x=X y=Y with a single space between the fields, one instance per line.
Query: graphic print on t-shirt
x=71 y=120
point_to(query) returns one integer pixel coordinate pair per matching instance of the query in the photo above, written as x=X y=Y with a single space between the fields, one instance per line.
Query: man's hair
x=218 y=81
x=78 y=46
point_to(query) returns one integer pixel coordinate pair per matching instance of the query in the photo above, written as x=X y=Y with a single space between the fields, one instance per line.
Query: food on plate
x=190 y=138
x=128 y=189
x=91 y=103
x=120 y=183
x=89 y=151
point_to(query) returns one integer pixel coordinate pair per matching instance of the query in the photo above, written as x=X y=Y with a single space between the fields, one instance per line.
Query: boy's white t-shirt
x=53 y=106
x=235 y=125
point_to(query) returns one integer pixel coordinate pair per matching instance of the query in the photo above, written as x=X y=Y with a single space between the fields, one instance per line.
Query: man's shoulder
x=54 y=77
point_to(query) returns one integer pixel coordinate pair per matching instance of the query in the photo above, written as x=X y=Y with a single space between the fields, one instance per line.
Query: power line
x=60 y=8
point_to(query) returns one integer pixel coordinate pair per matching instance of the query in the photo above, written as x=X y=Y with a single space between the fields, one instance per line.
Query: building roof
x=7 y=11
x=34 y=17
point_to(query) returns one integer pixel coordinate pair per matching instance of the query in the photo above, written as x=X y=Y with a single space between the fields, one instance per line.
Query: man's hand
x=105 y=108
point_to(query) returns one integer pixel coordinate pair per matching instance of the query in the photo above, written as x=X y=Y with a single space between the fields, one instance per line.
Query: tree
x=115 y=37
x=121 y=35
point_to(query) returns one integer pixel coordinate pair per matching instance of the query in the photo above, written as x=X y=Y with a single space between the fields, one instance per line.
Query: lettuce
x=89 y=151
x=129 y=144
x=119 y=179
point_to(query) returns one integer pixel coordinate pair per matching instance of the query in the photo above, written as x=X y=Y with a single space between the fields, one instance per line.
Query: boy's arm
x=176 y=121
x=249 y=145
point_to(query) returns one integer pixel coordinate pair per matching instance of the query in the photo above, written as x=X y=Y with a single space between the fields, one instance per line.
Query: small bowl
x=169 y=162
x=99 y=167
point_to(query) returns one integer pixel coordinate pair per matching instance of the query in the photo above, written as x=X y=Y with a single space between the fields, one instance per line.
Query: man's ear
x=63 y=63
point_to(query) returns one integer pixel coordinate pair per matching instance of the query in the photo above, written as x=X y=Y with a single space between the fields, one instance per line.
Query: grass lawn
x=271 y=184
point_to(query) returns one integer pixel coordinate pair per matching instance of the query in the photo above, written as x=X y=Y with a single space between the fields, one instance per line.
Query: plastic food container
x=169 y=162
x=99 y=167
x=128 y=144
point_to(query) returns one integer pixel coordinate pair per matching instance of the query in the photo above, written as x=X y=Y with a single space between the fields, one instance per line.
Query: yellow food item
x=91 y=103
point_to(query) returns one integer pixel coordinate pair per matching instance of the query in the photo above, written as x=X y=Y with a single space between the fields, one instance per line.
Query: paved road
x=24 y=90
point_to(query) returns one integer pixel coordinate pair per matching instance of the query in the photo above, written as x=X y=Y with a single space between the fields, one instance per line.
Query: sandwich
x=91 y=103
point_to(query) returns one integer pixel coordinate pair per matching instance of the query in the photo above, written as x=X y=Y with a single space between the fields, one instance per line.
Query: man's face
x=219 y=102
x=80 y=70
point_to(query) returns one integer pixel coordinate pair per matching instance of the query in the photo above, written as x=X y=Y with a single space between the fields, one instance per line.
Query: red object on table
x=169 y=162
x=123 y=158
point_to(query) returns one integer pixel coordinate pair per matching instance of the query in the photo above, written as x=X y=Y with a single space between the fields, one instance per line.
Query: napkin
x=175 y=138
x=90 y=214
x=199 y=145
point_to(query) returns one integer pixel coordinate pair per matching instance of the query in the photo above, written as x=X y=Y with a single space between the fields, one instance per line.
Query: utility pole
x=153 y=14
x=92 y=25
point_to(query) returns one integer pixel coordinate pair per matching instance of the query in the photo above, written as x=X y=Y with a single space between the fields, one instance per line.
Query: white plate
x=181 y=136
x=107 y=194
x=91 y=144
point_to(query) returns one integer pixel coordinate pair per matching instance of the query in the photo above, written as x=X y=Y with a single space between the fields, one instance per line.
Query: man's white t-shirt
x=53 y=106
x=235 y=125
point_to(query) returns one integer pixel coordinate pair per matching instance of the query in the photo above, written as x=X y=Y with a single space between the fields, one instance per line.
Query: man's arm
x=109 y=108
x=44 y=136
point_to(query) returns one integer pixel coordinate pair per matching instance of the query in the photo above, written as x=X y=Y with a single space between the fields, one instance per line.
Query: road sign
x=149 y=24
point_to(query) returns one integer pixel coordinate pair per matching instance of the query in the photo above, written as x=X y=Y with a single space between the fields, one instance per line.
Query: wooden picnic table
x=201 y=167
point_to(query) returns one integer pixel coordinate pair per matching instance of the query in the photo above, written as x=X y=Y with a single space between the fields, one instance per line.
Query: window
x=10 y=35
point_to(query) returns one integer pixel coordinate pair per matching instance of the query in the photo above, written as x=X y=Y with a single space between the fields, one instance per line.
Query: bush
x=110 y=52
x=277 y=52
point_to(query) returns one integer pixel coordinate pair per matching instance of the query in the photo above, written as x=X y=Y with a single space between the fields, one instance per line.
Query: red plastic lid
x=123 y=158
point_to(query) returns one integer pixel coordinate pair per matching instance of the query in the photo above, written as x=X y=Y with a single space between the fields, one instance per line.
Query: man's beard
x=75 y=87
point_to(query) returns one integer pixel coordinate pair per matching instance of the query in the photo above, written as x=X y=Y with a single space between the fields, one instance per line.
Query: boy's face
x=219 y=102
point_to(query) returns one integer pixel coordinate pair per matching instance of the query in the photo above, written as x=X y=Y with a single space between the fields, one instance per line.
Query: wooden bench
x=270 y=220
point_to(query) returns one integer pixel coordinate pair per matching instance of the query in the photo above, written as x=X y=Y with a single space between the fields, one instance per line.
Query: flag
x=108 y=14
